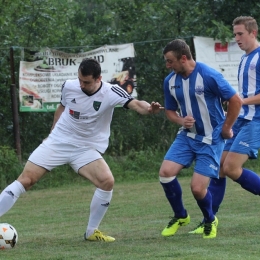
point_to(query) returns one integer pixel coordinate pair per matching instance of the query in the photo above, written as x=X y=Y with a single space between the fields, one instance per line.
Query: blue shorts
x=184 y=150
x=246 y=139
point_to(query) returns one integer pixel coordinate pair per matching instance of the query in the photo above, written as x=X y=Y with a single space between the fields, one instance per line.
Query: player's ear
x=254 y=32
x=99 y=79
x=183 y=58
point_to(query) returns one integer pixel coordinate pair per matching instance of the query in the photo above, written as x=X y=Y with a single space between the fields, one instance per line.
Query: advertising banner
x=224 y=58
x=43 y=72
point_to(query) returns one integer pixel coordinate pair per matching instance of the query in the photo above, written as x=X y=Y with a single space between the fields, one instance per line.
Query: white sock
x=98 y=208
x=9 y=196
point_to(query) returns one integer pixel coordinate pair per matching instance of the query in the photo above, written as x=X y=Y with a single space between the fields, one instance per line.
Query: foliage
x=10 y=167
x=77 y=25
x=135 y=164
x=134 y=135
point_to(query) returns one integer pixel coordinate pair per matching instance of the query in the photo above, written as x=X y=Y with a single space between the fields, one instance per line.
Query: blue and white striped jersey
x=86 y=119
x=200 y=95
x=249 y=83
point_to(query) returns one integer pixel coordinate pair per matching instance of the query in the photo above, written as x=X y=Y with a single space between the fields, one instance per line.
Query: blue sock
x=250 y=181
x=206 y=207
x=217 y=189
x=173 y=193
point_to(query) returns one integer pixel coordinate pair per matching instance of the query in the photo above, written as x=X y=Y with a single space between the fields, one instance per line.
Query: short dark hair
x=90 y=66
x=178 y=47
x=249 y=22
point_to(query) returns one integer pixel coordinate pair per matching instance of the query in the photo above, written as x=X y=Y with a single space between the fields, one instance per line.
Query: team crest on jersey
x=96 y=105
x=199 y=90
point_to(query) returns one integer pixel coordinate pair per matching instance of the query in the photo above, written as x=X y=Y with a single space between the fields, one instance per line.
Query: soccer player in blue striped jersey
x=79 y=137
x=194 y=94
x=245 y=142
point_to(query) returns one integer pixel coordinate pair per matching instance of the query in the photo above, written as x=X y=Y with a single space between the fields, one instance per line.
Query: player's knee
x=166 y=173
x=27 y=179
x=108 y=183
x=198 y=191
x=228 y=170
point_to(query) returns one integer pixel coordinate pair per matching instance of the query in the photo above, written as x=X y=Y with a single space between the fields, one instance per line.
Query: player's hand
x=188 y=121
x=155 y=108
x=227 y=133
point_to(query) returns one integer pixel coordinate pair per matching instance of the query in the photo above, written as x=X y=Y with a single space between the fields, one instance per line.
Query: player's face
x=173 y=63
x=88 y=84
x=244 y=39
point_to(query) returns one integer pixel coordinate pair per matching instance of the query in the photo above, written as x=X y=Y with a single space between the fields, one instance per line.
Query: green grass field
x=51 y=223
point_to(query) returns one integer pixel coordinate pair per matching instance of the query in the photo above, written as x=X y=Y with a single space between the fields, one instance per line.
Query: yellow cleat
x=199 y=229
x=210 y=229
x=174 y=225
x=99 y=236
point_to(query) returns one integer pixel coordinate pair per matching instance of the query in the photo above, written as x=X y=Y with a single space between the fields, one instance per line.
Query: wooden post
x=16 y=127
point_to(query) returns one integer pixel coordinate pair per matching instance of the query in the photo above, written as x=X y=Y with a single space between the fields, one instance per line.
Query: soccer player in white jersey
x=80 y=133
x=245 y=142
x=194 y=94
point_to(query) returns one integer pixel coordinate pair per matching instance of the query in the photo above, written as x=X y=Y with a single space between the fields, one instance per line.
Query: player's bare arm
x=144 y=108
x=234 y=105
x=254 y=100
x=187 y=121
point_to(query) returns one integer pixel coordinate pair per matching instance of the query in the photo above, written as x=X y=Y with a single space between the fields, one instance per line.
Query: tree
x=79 y=25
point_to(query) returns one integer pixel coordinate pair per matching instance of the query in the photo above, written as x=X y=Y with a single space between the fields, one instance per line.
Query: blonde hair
x=249 y=22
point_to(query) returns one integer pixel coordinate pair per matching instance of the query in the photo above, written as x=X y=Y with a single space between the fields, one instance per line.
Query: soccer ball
x=8 y=236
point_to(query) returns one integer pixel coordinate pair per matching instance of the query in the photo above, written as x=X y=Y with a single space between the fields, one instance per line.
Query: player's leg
x=97 y=171
x=199 y=184
x=217 y=187
x=207 y=164
x=178 y=156
x=245 y=146
x=248 y=179
x=44 y=158
x=30 y=175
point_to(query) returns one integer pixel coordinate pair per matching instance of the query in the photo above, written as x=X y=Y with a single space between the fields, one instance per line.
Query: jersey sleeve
x=169 y=101
x=220 y=86
x=62 y=98
x=119 y=96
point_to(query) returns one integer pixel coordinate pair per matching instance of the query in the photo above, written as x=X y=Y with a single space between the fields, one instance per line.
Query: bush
x=142 y=165
x=134 y=166
x=10 y=167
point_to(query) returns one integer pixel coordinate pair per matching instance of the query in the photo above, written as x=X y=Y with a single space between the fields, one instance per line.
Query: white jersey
x=86 y=119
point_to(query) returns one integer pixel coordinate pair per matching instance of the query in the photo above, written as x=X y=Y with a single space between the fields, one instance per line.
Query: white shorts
x=52 y=153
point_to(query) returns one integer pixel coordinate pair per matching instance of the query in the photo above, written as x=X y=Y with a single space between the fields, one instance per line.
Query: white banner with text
x=225 y=58
x=43 y=72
